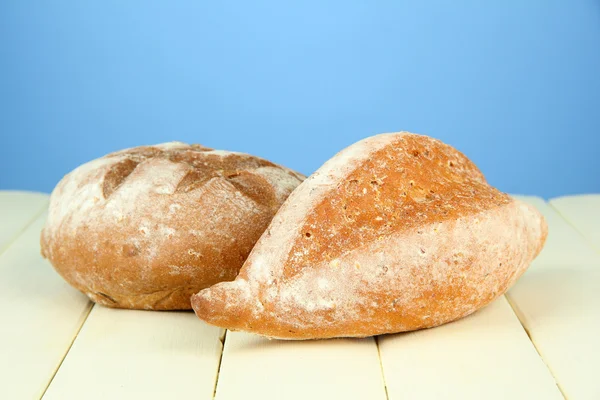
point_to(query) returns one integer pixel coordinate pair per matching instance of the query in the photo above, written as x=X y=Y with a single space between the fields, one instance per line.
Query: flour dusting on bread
x=287 y=223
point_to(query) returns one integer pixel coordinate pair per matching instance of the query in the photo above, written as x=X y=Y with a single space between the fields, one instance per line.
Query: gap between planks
x=84 y=318
x=387 y=396
x=25 y=227
x=575 y=228
x=515 y=307
x=520 y=318
x=222 y=339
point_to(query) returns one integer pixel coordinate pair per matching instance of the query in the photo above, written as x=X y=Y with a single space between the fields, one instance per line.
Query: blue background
x=513 y=84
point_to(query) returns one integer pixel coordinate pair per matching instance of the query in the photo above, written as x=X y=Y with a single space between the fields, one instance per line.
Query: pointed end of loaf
x=223 y=305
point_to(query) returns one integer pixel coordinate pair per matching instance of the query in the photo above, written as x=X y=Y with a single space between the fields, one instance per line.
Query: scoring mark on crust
x=253 y=186
x=192 y=180
x=117 y=175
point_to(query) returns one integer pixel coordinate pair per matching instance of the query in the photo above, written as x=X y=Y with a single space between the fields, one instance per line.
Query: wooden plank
x=583 y=212
x=17 y=210
x=557 y=301
x=486 y=355
x=127 y=354
x=41 y=315
x=257 y=368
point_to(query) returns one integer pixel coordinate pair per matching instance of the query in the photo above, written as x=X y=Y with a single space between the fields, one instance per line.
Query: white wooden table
x=540 y=341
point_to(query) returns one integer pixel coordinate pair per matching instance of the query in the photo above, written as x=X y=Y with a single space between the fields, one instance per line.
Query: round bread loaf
x=147 y=227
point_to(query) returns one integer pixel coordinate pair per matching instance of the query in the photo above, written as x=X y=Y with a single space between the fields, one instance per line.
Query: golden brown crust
x=147 y=227
x=377 y=200
x=398 y=232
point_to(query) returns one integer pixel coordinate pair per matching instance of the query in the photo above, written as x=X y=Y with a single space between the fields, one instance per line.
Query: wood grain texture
x=557 y=300
x=17 y=210
x=583 y=212
x=126 y=354
x=41 y=316
x=484 y=356
x=257 y=368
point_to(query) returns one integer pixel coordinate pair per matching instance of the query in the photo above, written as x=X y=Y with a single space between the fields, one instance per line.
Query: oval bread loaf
x=395 y=233
x=147 y=227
